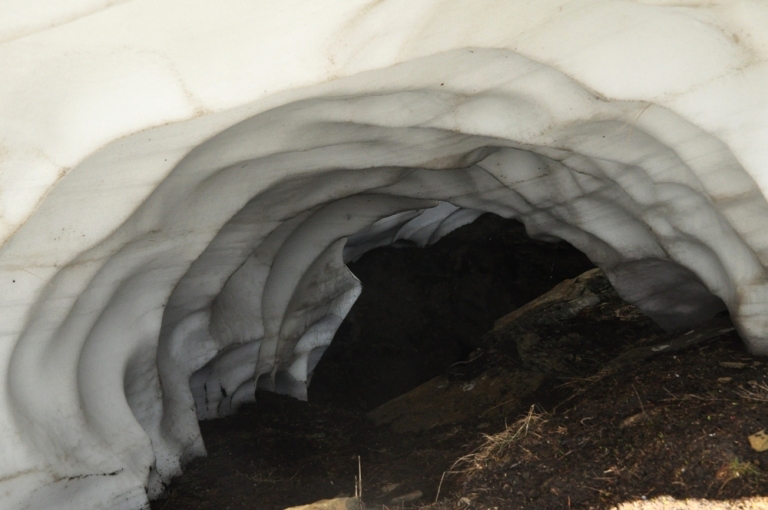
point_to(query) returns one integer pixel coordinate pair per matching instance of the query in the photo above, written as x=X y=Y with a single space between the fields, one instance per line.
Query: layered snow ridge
x=182 y=183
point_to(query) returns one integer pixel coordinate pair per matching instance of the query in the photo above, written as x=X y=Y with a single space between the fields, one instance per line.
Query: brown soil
x=607 y=417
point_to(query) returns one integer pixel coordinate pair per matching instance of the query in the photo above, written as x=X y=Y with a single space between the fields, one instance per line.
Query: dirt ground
x=575 y=403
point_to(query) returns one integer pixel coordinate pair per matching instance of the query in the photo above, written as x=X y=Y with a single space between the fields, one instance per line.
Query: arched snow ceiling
x=179 y=181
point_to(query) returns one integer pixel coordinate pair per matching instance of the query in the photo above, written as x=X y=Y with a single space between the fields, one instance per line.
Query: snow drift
x=182 y=183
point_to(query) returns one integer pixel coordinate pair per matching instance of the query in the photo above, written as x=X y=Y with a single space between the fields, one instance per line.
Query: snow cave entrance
x=423 y=310
x=443 y=347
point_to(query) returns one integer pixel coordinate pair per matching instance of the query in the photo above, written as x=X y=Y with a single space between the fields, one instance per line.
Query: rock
x=333 y=504
x=440 y=400
x=496 y=391
x=406 y=498
x=564 y=301
x=480 y=388
x=389 y=488
x=667 y=502
x=759 y=441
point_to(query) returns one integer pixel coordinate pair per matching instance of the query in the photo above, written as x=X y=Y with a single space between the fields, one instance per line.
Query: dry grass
x=736 y=469
x=495 y=446
x=758 y=392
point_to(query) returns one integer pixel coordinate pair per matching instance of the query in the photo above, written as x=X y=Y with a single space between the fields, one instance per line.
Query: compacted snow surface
x=181 y=184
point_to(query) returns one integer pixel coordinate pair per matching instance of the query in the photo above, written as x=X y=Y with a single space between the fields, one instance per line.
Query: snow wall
x=182 y=181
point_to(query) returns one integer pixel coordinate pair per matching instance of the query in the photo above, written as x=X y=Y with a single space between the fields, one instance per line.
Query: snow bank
x=178 y=182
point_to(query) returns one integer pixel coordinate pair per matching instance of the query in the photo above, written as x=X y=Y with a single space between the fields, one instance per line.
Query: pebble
x=406 y=498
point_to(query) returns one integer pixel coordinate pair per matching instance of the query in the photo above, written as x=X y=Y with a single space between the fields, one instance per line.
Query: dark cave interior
x=424 y=309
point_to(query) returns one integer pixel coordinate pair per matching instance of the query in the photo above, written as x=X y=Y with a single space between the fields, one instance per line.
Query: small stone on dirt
x=332 y=504
x=732 y=364
x=634 y=419
x=406 y=498
x=389 y=487
x=759 y=441
x=723 y=380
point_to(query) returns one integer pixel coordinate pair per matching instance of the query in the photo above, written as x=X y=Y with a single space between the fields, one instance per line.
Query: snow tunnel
x=181 y=194
x=424 y=311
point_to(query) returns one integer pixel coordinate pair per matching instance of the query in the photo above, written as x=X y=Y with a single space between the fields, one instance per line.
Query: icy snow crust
x=180 y=181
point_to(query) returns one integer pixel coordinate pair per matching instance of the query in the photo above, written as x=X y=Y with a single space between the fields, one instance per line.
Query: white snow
x=179 y=179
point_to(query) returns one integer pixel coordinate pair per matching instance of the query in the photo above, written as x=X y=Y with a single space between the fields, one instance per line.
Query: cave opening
x=423 y=309
x=443 y=316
